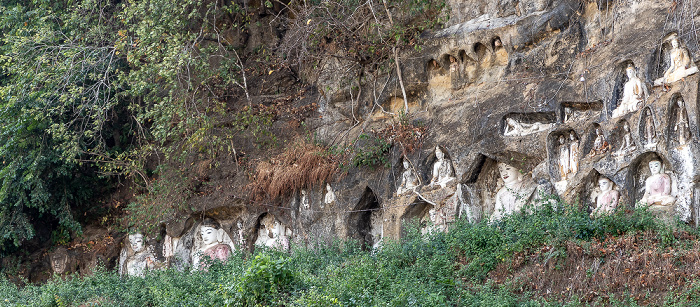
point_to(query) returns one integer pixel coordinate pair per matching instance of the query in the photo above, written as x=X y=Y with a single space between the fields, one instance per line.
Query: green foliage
x=263 y=283
x=372 y=152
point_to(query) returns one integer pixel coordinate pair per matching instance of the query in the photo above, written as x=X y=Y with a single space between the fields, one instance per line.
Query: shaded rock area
x=504 y=83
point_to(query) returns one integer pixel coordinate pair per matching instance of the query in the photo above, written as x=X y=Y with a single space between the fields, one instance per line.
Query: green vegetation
x=443 y=269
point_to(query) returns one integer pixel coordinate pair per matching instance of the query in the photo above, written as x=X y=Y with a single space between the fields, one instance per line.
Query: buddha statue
x=600 y=146
x=564 y=159
x=329 y=198
x=681 y=65
x=409 y=179
x=515 y=193
x=627 y=141
x=443 y=173
x=681 y=128
x=657 y=188
x=212 y=245
x=607 y=199
x=271 y=233
x=60 y=261
x=304 y=200
x=573 y=153
x=634 y=93
x=137 y=260
x=649 y=129
x=515 y=128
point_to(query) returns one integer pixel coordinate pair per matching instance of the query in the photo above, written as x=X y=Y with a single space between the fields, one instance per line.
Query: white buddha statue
x=608 y=198
x=564 y=158
x=443 y=173
x=515 y=193
x=329 y=198
x=657 y=188
x=515 y=128
x=649 y=129
x=573 y=153
x=681 y=127
x=212 y=246
x=627 y=141
x=600 y=145
x=409 y=179
x=681 y=65
x=271 y=233
x=137 y=261
x=634 y=93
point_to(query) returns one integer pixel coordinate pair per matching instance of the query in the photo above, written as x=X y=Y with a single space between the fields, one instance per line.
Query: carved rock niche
x=638 y=178
x=436 y=172
x=469 y=67
x=271 y=233
x=417 y=212
x=521 y=124
x=622 y=139
x=591 y=192
x=580 y=111
x=596 y=141
x=365 y=220
x=564 y=148
x=477 y=193
x=648 y=132
x=620 y=81
x=499 y=51
x=672 y=61
x=678 y=131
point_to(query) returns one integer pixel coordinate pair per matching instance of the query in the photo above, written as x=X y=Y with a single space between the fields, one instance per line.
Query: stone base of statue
x=663 y=212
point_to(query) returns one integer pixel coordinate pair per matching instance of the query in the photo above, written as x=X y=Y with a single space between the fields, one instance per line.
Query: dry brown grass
x=636 y=266
x=300 y=166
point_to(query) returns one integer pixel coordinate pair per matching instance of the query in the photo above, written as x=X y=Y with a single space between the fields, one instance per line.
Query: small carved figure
x=607 y=199
x=409 y=179
x=600 y=145
x=443 y=174
x=271 y=233
x=568 y=114
x=454 y=65
x=564 y=158
x=330 y=195
x=649 y=129
x=212 y=245
x=573 y=153
x=515 y=193
x=141 y=259
x=681 y=128
x=515 y=128
x=627 y=141
x=681 y=65
x=60 y=261
x=657 y=188
x=634 y=93
x=304 y=200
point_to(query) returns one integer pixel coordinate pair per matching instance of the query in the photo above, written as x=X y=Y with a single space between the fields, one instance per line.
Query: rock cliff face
x=529 y=84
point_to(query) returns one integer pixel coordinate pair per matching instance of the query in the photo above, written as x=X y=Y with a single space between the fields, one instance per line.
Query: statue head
x=598 y=132
x=509 y=174
x=497 y=43
x=439 y=154
x=680 y=102
x=59 y=260
x=562 y=140
x=655 y=166
x=572 y=136
x=136 y=242
x=626 y=126
x=631 y=71
x=407 y=165
x=674 y=42
x=210 y=231
x=605 y=184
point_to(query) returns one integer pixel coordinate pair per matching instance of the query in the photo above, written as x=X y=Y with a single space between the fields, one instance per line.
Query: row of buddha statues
x=208 y=242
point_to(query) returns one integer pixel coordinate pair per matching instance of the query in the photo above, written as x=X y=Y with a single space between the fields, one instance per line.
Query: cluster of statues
x=443 y=174
x=568 y=155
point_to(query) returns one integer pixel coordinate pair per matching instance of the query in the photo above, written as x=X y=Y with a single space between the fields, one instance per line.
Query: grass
x=524 y=260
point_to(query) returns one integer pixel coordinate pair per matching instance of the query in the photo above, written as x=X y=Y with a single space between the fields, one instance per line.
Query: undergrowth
x=440 y=269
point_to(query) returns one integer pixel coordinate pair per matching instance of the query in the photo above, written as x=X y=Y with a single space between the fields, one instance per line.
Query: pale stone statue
x=409 y=179
x=304 y=200
x=137 y=261
x=443 y=174
x=564 y=158
x=627 y=141
x=515 y=193
x=434 y=223
x=634 y=93
x=169 y=246
x=657 y=188
x=607 y=199
x=454 y=65
x=649 y=129
x=271 y=233
x=573 y=153
x=329 y=198
x=241 y=236
x=681 y=128
x=212 y=246
x=568 y=114
x=600 y=146
x=515 y=128
x=60 y=262
x=681 y=65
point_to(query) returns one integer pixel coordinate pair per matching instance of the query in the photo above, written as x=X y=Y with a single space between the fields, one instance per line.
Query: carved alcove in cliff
x=660 y=59
x=590 y=136
x=478 y=188
x=638 y=172
x=454 y=68
x=428 y=165
x=468 y=66
x=563 y=158
x=618 y=79
x=499 y=51
x=622 y=139
x=365 y=220
x=678 y=130
x=416 y=212
x=521 y=124
x=648 y=131
x=270 y=232
x=574 y=111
